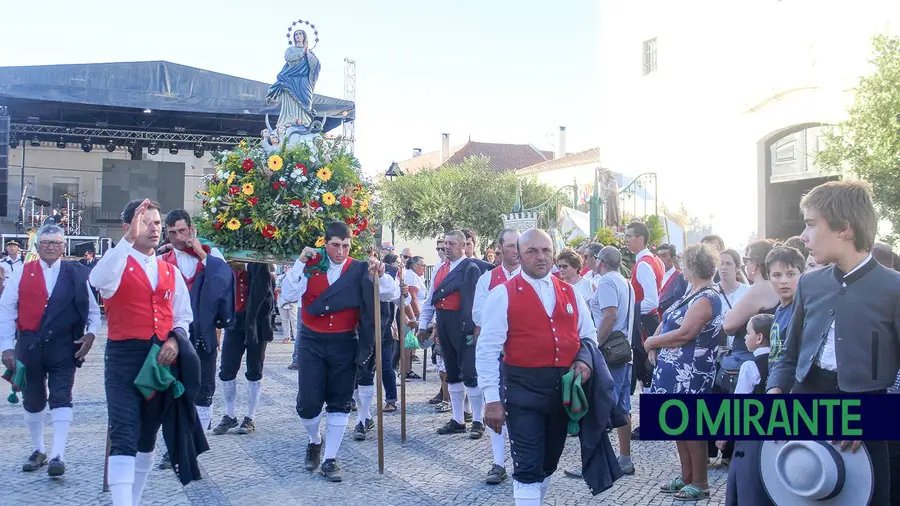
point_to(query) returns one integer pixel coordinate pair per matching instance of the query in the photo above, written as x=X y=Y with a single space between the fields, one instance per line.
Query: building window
x=649 y=56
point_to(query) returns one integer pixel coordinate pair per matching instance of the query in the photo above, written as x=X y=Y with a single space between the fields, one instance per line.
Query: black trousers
x=819 y=381
x=535 y=418
x=130 y=430
x=459 y=355
x=207 y=377
x=327 y=372
x=365 y=374
x=233 y=349
x=47 y=364
x=645 y=326
x=744 y=485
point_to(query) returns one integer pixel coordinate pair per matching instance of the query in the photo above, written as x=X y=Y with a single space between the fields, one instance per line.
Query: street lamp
x=393 y=172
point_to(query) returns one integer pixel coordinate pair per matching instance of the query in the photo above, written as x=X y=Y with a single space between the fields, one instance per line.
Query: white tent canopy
x=574 y=223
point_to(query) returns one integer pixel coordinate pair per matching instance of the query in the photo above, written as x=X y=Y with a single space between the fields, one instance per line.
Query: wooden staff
x=401 y=326
x=378 y=382
x=106 y=464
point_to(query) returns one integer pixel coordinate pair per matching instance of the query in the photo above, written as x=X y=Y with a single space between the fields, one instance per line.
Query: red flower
x=253 y=201
x=347 y=202
x=248 y=221
x=203 y=203
x=268 y=231
x=278 y=185
x=248 y=165
x=353 y=220
x=364 y=224
x=356 y=233
x=296 y=203
x=314 y=204
x=234 y=190
x=301 y=167
x=217 y=225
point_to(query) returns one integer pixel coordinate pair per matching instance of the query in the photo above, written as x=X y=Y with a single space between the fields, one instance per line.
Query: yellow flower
x=243 y=144
x=233 y=224
x=320 y=242
x=248 y=189
x=328 y=198
x=324 y=174
x=230 y=178
x=204 y=193
x=364 y=206
x=275 y=162
x=221 y=217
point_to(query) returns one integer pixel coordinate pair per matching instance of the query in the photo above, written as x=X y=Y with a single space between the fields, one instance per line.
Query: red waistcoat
x=498 y=277
x=659 y=271
x=345 y=320
x=136 y=311
x=535 y=339
x=242 y=290
x=33 y=297
x=171 y=258
x=452 y=302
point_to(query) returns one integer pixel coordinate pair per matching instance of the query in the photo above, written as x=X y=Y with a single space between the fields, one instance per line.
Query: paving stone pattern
x=266 y=468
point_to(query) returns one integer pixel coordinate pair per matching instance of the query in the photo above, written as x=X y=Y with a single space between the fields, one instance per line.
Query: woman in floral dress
x=684 y=350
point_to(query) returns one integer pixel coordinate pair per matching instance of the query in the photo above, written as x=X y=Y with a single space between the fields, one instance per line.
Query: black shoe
x=36 y=461
x=636 y=434
x=56 y=467
x=353 y=406
x=467 y=417
x=370 y=424
x=496 y=475
x=331 y=470
x=452 y=427
x=476 y=431
x=247 y=426
x=225 y=425
x=360 y=432
x=313 y=456
x=165 y=463
x=412 y=376
x=573 y=473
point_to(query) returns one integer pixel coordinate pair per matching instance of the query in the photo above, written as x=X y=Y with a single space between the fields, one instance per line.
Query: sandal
x=389 y=407
x=691 y=493
x=673 y=486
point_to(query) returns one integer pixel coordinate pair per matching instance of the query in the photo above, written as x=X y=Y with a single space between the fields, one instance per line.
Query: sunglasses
x=440 y=249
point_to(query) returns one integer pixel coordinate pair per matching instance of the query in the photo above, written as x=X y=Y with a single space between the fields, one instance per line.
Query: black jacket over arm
x=600 y=466
x=462 y=279
x=260 y=302
x=212 y=301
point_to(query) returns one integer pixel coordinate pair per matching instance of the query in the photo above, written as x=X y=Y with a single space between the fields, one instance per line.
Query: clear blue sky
x=502 y=71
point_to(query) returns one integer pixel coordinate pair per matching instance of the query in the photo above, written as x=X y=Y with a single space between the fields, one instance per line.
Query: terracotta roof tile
x=571 y=160
x=502 y=157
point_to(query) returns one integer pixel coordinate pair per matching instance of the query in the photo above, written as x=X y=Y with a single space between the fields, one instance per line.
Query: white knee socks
x=204 y=413
x=121 y=479
x=229 y=390
x=544 y=486
x=335 y=423
x=143 y=462
x=457 y=395
x=467 y=407
x=61 y=419
x=35 y=422
x=312 y=428
x=255 y=391
x=498 y=446
x=366 y=393
x=527 y=494
x=477 y=400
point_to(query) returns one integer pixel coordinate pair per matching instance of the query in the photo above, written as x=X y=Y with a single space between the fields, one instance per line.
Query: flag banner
x=768 y=417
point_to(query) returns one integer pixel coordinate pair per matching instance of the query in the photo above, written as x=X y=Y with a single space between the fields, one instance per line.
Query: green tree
x=468 y=195
x=868 y=142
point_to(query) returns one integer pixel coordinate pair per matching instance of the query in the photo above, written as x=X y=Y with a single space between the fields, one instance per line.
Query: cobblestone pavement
x=266 y=468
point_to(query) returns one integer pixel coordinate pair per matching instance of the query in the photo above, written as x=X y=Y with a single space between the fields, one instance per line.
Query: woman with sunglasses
x=569 y=263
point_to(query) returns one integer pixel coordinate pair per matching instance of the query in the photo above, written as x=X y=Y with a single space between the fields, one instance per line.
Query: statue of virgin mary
x=295 y=84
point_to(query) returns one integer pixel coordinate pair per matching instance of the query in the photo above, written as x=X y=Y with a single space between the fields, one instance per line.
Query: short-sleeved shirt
x=414 y=280
x=783 y=316
x=613 y=291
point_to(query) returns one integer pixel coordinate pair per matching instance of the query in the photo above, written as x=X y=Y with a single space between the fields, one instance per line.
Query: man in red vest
x=538 y=321
x=508 y=269
x=49 y=302
x=145 y=299
x=337 y=335
x=646 y=279
x=451 y=298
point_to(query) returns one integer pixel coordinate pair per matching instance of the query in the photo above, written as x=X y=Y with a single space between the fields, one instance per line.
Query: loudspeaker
x=4 y=161
x=79 y=249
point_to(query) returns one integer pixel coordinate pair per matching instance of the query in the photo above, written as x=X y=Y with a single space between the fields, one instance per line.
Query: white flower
x=212 y=209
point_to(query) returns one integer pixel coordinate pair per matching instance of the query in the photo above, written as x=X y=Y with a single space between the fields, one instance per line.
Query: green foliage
x=657 y=232
x=469 y=195
x=607 y=237
x=868 y=142
x=576 y=242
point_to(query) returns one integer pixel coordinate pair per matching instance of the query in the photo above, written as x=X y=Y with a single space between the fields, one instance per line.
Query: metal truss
x=98 y=134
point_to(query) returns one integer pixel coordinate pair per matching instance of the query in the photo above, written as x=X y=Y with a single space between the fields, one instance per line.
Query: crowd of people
x=512 y=334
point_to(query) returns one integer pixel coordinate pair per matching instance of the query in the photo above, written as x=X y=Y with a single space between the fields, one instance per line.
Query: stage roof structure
x=148 y=97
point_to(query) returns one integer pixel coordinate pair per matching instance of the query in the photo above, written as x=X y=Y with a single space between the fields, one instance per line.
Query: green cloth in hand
x=155 y=378
x=16 y=378
x=574 y=400
x=412 y=342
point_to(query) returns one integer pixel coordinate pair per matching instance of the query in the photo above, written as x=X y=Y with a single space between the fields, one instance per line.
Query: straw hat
x=802 y=473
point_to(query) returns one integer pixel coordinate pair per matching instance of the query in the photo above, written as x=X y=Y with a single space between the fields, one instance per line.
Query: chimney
x=445 y=147
x=417 y=152
x=561 y=145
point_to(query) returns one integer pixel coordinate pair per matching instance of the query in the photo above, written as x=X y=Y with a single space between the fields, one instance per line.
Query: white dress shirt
x=827 y=355
x=107 y=275
x=647 y=279
x=9 y=304
x=495 y=326
x=187 y=263
x=481 y=290
x=294 y=284
x=9 y=266
x=428 y=308
x=749 y=377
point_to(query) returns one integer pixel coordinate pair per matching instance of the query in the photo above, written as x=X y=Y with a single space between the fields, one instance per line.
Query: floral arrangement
x=268 y=206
